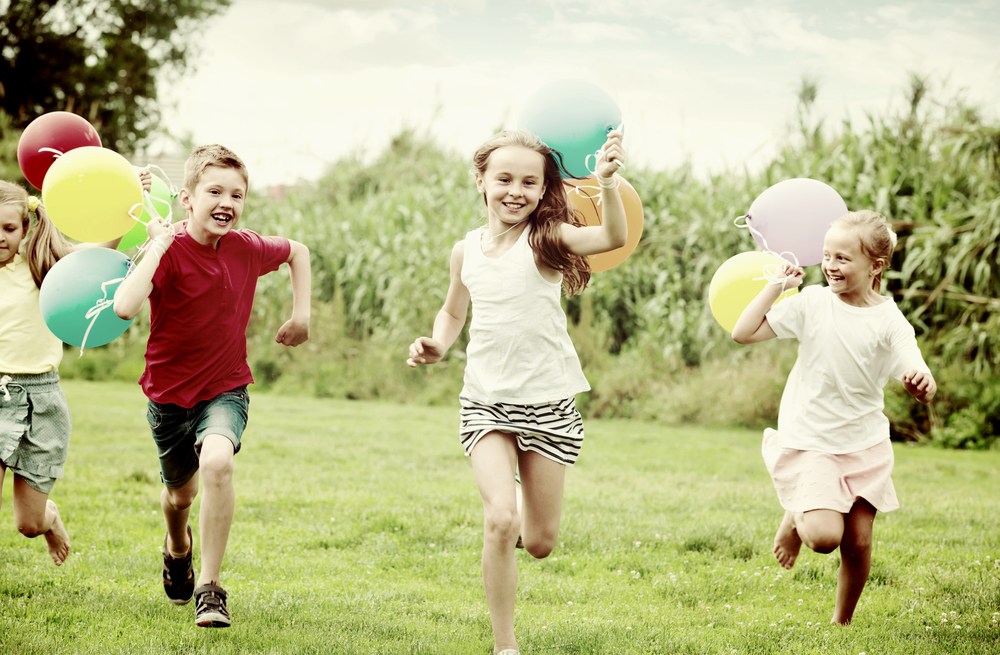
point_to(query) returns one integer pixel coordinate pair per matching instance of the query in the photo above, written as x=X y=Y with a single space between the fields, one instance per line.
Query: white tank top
x=519 y=350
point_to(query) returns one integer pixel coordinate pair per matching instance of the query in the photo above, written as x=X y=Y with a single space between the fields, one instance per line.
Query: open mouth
x=222 y=219
x=514 y=206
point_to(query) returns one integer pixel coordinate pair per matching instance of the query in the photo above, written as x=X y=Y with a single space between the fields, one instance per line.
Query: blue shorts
x=180 y=432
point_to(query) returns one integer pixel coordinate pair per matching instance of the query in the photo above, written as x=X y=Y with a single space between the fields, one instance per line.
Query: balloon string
x=57 y=153
x=769 y=272
x=173 y=189
x=95 y=311
x=596 y=196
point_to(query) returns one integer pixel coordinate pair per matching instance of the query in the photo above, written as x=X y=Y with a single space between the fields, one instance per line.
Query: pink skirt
x=807 y=479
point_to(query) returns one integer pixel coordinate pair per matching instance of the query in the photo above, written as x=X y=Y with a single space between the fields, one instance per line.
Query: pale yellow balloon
x=733 y=286
x=88 y=193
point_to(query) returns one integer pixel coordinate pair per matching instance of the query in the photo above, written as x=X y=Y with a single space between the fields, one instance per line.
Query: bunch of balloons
x=789 y=218
x=573 y=118
x=91 y=194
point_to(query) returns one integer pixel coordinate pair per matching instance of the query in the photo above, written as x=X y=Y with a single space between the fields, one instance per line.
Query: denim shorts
x=180 y=432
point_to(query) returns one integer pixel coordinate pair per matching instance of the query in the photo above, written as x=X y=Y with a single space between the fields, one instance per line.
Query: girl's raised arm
x=752 y=325
x=613 y=231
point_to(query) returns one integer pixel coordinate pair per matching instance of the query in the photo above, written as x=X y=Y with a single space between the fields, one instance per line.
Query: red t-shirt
x=200 y=307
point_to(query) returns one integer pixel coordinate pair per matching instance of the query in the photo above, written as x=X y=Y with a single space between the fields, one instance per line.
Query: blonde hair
x=212 y=155
x=878 y=241
x=45 y=244
x=553 y=209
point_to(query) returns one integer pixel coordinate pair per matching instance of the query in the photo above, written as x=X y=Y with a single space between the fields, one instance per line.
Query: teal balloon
x=137 y=234
x=574 y=118
x=72 y=289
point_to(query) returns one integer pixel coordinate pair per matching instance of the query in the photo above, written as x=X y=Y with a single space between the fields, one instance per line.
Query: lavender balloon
x=793 y=216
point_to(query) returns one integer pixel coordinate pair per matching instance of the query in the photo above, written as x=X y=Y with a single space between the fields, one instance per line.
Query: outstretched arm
x=296 y=329
x=449 y=321
x=613 y=230
x=752 y=325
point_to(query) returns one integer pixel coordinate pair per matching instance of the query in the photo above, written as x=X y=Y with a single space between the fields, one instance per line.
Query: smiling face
x=513 y=183
x=215 y=205
x=848 y=271
x=12 y=232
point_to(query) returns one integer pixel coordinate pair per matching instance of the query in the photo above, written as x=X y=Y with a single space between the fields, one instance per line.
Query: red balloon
x=59 y=131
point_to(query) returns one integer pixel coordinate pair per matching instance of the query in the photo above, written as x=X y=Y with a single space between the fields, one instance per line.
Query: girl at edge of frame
x=522 y=374
x=35 y=422
x=830 y=458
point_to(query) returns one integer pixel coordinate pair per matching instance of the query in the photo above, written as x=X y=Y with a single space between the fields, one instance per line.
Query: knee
x=858 y=546
x=216 y=468
x=502 y=524
x=181 y=498
x=823 y=542
x=30 y=527
x=540 y=546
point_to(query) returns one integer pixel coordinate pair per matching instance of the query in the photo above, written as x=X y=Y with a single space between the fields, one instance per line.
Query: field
x=358 y=530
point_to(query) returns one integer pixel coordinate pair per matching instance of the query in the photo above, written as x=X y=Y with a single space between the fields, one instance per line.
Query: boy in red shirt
x=200 y=277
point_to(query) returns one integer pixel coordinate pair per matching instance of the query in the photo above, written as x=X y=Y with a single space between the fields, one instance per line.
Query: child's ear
x=480 y=185
x=878 y=266
x=185 y=198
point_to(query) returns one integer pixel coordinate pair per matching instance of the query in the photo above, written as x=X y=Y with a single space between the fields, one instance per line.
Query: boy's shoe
x=178 y=574
x=210 y=607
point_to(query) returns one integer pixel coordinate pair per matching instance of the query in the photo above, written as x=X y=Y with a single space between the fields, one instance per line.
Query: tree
x=98 y=58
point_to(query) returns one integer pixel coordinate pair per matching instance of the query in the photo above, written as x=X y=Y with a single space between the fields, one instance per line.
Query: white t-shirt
x=519 y=350
x=833 y=400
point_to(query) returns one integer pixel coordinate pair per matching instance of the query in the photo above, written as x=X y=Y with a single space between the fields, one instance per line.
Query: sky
x=294 y=85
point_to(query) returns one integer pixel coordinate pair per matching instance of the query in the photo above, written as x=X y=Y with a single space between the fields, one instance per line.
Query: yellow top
x=26 y=345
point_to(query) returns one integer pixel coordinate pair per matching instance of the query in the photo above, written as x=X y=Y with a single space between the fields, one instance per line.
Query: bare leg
x=542 y=482
x=176 y=505
x=819 y=529
x=855 y=560
x=35 y=514
x=217 y=505
x=493 y=461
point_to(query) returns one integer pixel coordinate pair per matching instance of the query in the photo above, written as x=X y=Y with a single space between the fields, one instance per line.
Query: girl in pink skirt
x=830 y=458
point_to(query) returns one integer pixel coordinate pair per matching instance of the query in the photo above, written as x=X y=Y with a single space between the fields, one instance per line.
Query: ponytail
x=45 y=244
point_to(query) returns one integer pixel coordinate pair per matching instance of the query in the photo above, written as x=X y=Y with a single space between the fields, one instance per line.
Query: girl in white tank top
x=518 y=408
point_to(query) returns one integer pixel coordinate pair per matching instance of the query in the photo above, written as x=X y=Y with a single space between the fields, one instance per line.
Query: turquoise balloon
x=72 y=289
x=573 y=117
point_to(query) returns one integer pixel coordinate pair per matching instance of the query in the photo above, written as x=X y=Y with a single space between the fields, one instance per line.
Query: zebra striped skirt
x=554 y=430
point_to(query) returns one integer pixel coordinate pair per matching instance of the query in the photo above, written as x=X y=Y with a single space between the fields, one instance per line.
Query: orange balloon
x=584 y=195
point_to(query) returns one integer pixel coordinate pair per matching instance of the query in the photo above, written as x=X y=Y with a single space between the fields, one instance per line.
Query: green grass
x=358 y=530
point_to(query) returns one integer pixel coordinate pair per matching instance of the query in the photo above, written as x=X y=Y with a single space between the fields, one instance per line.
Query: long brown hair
x=552 y=211
x=876 y=236
x=45 y=244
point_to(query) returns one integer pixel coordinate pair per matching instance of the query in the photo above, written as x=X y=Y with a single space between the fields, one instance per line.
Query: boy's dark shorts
x=179 y=432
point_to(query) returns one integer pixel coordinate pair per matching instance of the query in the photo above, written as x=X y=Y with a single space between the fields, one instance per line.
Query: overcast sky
x=292 y=85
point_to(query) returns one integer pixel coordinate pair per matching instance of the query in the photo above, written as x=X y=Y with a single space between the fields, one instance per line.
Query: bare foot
x=787 y=542
x=57 y=538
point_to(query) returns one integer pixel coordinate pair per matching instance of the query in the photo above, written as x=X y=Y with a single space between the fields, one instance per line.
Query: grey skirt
x=35 y=427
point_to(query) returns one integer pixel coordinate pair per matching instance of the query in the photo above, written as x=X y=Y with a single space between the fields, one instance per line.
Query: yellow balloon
x=733 y=286
x=88 y=193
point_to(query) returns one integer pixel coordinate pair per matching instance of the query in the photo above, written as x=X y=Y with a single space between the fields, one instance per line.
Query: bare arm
x=613 y=230
x=134 y=290
x=449 y=321
x=752 y=325
x=296 y=329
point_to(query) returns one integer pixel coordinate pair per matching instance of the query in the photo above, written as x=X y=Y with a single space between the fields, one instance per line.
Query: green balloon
x=162 y=203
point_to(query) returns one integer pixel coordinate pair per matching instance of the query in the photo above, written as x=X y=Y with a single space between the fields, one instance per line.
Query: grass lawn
x=358 y=530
